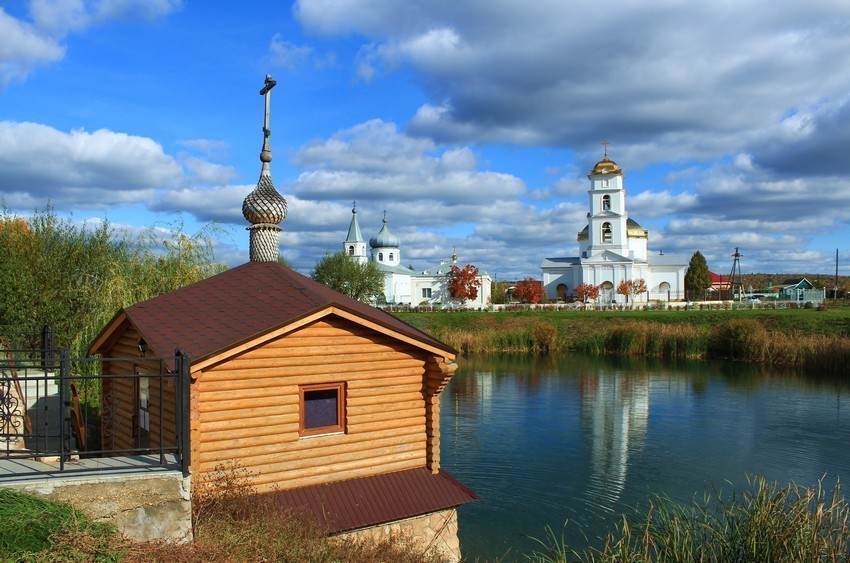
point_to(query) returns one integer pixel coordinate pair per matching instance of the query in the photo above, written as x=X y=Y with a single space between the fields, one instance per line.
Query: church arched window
x=380 y=257
x=607 y=235
x=391 y=256
x=606 y=202
x=351 y=250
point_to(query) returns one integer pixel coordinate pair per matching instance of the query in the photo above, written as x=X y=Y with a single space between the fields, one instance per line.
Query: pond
x=549 y=439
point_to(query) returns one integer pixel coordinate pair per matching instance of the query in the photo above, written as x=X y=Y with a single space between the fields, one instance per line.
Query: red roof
x=240 y=304
x=377 y=499
x=717 y=278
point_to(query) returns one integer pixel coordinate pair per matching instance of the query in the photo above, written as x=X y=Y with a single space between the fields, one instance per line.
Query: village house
x=404 y=285
x=329 y=404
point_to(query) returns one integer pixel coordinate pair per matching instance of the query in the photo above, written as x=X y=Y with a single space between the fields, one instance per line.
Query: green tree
x=498 y=293
x=697 y=278
x=363 y=282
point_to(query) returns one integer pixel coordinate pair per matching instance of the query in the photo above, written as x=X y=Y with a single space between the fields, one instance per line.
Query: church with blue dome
x=403 y=285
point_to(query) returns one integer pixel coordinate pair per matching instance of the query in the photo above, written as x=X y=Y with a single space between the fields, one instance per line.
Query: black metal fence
x=49 y=412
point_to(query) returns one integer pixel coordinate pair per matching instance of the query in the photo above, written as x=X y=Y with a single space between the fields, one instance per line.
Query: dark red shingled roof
x=242 y=303
x=367 y=501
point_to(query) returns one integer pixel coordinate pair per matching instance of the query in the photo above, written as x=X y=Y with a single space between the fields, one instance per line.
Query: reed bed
x=765 y=523
x=815 y=342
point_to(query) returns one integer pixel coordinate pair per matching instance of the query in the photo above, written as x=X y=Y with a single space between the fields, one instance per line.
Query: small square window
x=426 y=292
x=322 y=409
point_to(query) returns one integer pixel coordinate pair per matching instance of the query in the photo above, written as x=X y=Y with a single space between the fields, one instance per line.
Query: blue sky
x=473 y=124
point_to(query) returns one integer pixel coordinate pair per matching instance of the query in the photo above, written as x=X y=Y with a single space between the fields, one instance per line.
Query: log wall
x=118 y=397
x=245 y=410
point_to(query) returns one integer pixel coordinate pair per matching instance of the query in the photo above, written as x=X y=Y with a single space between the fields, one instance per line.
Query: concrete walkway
x=13 y=471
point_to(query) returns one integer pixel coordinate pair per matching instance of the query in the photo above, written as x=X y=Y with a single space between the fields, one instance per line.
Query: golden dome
x=633 y=230
x=606 y=166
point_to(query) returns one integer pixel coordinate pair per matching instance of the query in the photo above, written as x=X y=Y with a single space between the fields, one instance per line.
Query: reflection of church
x=404 y=285
x=613 y=249
x=615 y=411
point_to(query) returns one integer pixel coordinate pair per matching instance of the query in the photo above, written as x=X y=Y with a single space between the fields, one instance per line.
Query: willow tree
x=75 y=277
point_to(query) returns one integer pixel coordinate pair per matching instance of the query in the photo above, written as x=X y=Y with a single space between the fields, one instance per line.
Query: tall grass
x=817 y=341
x=765 y=523
x=76 y=277
x=30 y=525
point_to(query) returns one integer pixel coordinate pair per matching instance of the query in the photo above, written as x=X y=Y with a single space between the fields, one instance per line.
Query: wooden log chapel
x=326 y=402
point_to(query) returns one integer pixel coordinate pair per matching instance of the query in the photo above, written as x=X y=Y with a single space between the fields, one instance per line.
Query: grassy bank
x=764 y=523
x=805 y=338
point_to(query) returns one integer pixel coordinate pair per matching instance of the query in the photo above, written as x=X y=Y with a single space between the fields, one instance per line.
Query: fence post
x=48 y=348
x=64 y=404
x=182 y=363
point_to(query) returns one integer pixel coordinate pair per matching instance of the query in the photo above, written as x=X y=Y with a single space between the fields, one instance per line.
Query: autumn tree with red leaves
x=528 y=290
x=639 y=286
x=625 y=288
x=464 y=283
x=586 y=291
x=631 y=287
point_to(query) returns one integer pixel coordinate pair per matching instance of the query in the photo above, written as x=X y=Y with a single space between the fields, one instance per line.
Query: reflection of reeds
x=764 y=523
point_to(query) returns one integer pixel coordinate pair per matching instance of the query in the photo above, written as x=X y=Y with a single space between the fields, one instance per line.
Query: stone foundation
x=435 y=531
x=142 y=507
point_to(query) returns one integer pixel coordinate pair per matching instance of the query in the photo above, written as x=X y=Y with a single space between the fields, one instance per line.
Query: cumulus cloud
x=690 y=78
x=87 y=169
x=374 y=161
x=22 y=48
x=27 y=44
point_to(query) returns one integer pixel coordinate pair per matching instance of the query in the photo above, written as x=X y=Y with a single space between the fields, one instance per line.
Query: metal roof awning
x=368 y=501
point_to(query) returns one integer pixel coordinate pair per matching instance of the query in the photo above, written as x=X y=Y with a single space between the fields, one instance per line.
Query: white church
x=405 y=286
x=612 y=249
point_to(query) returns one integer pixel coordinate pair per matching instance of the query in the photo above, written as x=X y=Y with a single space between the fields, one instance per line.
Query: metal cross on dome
x=266 y=91
x=605 y=148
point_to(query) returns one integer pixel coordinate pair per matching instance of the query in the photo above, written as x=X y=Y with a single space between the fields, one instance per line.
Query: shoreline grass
x=765 y=522
x=802 y=338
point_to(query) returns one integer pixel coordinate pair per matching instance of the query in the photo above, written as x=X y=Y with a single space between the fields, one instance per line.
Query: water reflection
x=614 y=413
x=550 y=438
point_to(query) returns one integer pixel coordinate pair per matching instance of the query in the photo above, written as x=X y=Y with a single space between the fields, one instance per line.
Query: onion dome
x=264 y=204
x=385 y=238
x=633 y=230
x=264 y=207
x=606 y=166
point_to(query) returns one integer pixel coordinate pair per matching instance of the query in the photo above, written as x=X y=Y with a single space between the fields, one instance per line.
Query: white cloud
x=205 y=172
x=679 y=80
x=22 y=48
x=28 y=44
x=288 y=55
x=374 y=161
x=92 y=170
